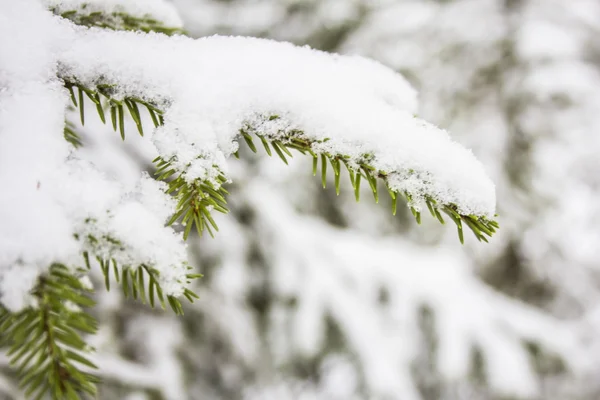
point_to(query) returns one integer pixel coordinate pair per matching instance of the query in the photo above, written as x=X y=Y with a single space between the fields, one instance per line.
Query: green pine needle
x=277 y=146
x=324 y=170
x=249 y=141
x=81 y=107
x=266 y=145
x=121 y=120
x=113 y=116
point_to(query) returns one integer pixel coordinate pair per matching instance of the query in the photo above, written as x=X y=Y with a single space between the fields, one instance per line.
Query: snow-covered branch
x=203 y=97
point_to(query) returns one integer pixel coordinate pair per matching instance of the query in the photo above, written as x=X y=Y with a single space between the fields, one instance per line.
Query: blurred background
x=309 y=295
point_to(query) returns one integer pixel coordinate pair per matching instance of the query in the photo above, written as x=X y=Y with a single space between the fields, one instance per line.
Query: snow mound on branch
x=350 y=105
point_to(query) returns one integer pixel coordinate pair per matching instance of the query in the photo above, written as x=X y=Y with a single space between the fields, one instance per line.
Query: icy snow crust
x=209 y=89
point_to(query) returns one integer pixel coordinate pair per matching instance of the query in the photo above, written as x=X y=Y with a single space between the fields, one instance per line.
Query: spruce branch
x=199 y=198
x=45 y=341
x=139 y=282
x=362 y=169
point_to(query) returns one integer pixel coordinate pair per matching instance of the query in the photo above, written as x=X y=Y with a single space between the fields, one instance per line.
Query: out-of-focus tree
x=515 y=80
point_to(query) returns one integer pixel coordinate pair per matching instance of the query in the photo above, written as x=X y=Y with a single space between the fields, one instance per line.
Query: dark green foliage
x=71 y=134
x=142 y=282
x=196 y=200
x=116 y=21
x=45 y=342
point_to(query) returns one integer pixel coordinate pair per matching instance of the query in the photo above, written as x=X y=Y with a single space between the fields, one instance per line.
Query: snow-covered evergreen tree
x=200 y=95
x=305 y=294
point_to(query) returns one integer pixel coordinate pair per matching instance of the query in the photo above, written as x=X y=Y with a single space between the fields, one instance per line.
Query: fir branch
x=362 y=169
x=199 y=198
x=45 y=342
x=136 y=281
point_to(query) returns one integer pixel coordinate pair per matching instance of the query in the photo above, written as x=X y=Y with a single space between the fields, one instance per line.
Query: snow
x=31 y=149
x=15 y=283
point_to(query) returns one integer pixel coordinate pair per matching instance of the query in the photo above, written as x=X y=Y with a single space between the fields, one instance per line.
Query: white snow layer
x=209 y=88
